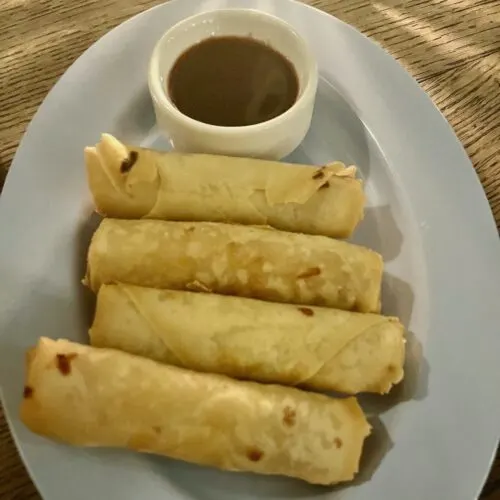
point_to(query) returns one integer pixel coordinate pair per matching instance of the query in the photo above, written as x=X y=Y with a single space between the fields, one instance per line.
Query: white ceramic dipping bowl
x=272 y=139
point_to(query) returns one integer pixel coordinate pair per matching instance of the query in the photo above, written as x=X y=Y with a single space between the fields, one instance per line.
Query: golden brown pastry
x=237 y=260
x=130 y=182
x=311 y=347
x=101 y=397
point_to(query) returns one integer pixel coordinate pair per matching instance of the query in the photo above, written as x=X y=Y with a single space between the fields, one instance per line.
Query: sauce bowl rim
x=161 y=97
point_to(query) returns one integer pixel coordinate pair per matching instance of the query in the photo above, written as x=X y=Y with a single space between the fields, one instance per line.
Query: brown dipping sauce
x=232 y=81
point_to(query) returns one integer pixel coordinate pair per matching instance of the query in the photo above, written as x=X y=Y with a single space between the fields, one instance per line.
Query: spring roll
x=311 y=347
x=237 y=260
x=132 y=183
x=101 y=397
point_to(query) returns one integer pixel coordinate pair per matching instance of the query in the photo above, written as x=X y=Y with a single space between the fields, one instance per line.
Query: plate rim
x=488 y=226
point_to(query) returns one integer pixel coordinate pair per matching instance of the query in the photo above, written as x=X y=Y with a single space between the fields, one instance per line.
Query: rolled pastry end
x=122 y=180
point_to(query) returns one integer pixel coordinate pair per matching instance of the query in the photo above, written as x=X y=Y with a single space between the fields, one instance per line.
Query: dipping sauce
x=232 y=81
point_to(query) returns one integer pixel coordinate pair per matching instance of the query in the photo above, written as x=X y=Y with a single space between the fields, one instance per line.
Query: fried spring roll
x=132 y=183
x=236 y=260
x=311 y=347
x=101 y=397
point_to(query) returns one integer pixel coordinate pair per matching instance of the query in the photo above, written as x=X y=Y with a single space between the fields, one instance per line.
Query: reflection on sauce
x=232 y=81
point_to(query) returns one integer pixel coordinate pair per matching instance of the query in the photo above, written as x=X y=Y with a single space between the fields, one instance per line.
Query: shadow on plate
x=336 y=133
x=86 y=297
x=397 y=298
x=137 y=117
x=205 y=483
x=379 y=231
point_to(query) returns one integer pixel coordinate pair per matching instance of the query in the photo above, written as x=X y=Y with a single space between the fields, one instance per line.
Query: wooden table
x=452 y=47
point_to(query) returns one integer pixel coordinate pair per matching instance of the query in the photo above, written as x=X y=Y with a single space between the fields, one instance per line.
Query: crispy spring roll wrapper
x=311 y=347
x=131 y=183
x=101 y=397
x=237 y=260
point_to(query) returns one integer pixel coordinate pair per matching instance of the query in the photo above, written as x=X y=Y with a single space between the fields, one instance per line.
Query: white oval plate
x=435 y=435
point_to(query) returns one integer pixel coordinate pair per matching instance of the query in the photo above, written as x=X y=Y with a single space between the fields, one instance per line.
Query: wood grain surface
x=452 y=47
